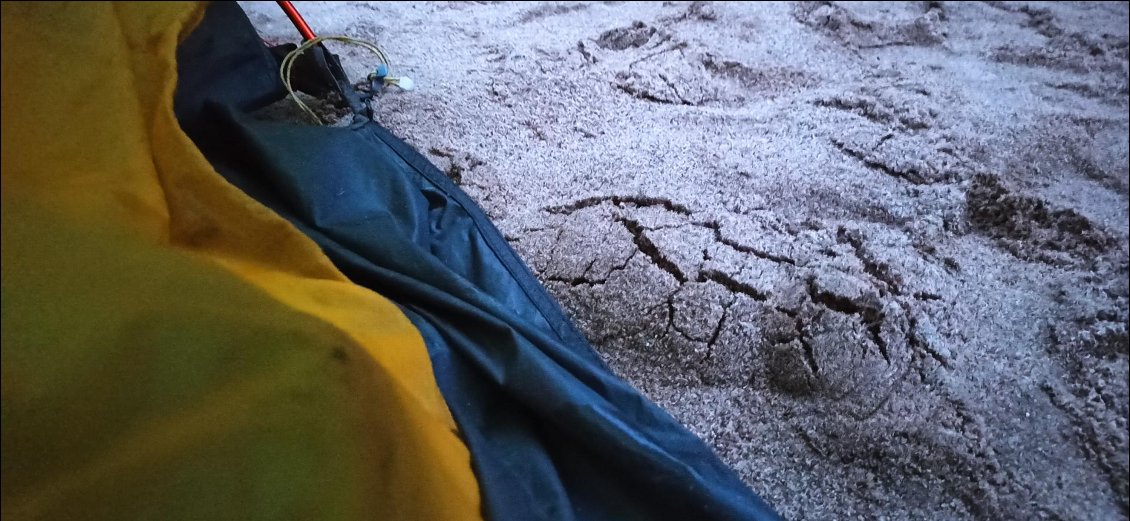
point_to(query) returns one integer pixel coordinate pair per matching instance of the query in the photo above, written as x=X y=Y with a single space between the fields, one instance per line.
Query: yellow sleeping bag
x=171 y=348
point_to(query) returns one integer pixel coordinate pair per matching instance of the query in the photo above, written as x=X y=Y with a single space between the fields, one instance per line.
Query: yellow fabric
x=171 y=348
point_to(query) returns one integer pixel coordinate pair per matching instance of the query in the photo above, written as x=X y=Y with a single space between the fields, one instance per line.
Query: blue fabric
x=552 y=432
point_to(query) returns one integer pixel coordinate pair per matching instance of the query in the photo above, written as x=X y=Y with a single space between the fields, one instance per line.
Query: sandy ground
x=876 y=255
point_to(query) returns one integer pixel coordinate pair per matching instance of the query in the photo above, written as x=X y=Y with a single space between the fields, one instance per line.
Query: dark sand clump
x=875 y=254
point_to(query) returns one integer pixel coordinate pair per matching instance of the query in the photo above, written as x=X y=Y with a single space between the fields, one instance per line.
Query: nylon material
x=92 y=148
x=533 y=401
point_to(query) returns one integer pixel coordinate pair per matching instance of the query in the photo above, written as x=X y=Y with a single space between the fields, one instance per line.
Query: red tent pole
x=296 y=19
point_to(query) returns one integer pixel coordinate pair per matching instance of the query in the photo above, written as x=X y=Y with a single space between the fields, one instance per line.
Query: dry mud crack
x=876 y=254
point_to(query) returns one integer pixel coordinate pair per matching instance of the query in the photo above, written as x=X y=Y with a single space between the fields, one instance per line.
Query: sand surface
x=876 y=255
